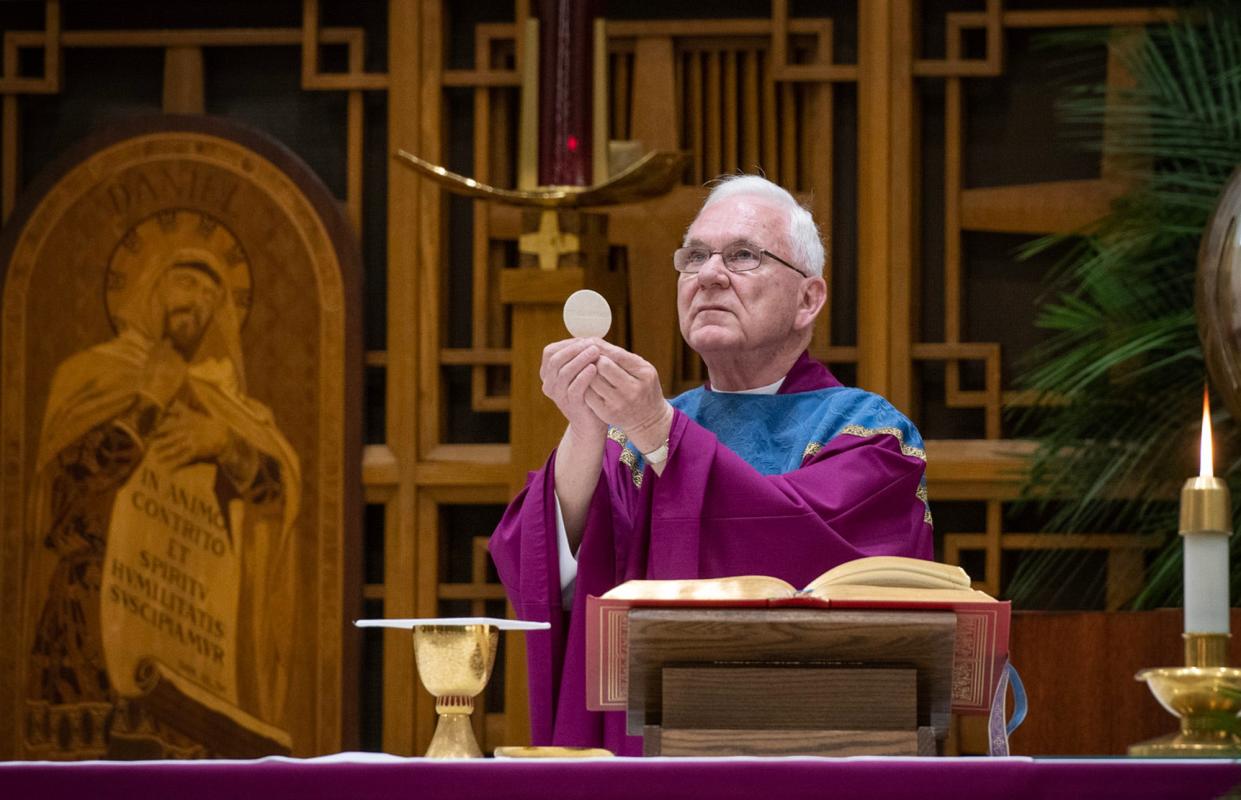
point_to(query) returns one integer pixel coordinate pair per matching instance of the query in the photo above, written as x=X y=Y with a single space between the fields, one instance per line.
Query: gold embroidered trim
x=810 y=450
x=630 y=460
x=926 y=500
x=627 y=456
x=906 y=450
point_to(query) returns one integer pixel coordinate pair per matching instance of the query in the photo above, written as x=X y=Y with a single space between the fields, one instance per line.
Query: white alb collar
x=770 y=388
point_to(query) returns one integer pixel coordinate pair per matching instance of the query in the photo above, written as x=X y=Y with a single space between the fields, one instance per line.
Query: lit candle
x=1206 y=523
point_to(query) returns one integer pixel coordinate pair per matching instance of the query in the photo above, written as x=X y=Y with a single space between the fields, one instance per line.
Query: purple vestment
x=853 y=486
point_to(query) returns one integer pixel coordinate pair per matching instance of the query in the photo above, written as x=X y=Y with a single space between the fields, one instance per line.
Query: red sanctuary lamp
x=1206 y=692
x=566 y=44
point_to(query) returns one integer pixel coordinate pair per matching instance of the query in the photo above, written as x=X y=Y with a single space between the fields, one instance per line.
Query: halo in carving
x=151 y=242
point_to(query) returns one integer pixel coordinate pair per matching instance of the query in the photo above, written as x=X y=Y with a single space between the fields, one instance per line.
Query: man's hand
x=185 y=437
x=627 y=393
x=567 y=370
x=163 y=374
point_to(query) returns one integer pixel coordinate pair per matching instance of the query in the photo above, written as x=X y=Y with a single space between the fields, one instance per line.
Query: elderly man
x=771 y=468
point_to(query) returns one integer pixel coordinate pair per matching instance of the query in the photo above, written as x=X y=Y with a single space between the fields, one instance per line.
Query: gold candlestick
x=1206 y=693
x=1207 y=699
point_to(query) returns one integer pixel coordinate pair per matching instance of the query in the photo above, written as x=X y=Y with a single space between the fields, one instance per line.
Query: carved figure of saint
x=165 y=499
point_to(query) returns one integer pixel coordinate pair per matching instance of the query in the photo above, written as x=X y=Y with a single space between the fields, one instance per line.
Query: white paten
x=502 y=624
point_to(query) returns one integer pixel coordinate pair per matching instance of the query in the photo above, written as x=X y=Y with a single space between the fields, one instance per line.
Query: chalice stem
x=454 y=735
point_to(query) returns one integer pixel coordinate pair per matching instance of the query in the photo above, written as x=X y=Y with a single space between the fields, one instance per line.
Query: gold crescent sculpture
x=650 y=176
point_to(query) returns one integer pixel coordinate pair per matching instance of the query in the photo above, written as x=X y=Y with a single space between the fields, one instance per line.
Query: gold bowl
x=454 y=663
x=1207 y=700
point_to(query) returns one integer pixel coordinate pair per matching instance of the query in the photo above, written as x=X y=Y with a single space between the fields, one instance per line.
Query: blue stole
x=775 y=433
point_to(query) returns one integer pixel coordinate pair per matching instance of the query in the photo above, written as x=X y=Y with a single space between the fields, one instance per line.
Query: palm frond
x=1123 y=362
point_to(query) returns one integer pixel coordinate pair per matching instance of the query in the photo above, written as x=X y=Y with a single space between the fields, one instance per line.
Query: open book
x=877 y=582
x=878 y=578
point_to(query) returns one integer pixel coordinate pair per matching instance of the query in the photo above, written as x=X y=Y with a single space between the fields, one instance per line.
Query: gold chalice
x=454 y=656
x=454 y=663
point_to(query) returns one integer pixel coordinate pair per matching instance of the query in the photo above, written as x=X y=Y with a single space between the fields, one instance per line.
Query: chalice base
x=454 y=738
x=1181 y=745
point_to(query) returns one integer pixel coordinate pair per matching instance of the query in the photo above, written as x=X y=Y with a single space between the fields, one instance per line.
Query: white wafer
x=586 y=314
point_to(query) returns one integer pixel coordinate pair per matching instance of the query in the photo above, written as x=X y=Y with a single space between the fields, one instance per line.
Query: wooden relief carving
x=175 y=422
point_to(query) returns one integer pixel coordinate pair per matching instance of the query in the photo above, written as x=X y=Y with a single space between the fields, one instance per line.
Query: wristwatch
x=657 y=456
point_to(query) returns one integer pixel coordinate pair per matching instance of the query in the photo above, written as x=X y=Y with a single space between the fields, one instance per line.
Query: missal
x=877 y=582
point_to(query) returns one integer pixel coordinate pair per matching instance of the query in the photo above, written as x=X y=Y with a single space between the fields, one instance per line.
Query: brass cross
x=549 y=243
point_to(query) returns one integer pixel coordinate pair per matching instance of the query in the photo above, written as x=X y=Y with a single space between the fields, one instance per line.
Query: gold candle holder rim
x=1188 y=672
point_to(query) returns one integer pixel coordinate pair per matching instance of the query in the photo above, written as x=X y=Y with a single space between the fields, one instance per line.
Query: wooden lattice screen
x=881 y=114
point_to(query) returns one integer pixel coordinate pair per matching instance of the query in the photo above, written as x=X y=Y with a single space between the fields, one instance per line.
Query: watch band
x=657 y=456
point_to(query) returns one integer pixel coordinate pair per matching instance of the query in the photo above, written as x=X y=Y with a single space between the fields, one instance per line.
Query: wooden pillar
x=183 y=81
x=537 y=297
x=650 y=258
x=874 y=198
x=561 y=252
x=903 y=226
x=887 y=200
x=413 y=232
x=654 y=73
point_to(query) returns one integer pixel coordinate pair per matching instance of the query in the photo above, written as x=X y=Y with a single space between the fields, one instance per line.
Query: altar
x=378 y=776
x=277 y=286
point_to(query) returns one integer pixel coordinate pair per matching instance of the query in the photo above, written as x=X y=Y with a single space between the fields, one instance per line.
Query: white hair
x=803 y=235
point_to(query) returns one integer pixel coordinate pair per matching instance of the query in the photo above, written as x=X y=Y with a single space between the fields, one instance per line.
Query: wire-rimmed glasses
x=738 y=257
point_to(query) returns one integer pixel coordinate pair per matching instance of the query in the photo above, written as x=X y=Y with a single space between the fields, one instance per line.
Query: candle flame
x=1206 y=455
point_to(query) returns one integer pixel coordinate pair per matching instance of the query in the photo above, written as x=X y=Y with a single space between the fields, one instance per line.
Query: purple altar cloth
x=649 y=779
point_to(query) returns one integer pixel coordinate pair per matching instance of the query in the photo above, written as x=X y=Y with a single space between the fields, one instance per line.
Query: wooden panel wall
x=49 y=44
x=763 y=93
x=837 y=107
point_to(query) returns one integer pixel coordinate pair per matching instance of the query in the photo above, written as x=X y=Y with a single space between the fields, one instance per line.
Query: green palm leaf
x=1121 y=375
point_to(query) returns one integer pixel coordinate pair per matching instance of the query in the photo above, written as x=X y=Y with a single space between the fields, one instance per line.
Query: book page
x=912 y=573
x=884 y=594
x=742 y=587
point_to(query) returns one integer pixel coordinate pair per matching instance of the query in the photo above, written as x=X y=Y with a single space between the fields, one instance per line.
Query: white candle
x=1206 y=524
x=1206 y=582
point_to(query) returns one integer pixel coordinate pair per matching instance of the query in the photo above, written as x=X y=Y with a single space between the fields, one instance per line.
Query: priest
x=772 y=468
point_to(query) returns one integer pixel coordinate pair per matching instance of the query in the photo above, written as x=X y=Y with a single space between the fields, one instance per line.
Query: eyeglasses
x=738 y=257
